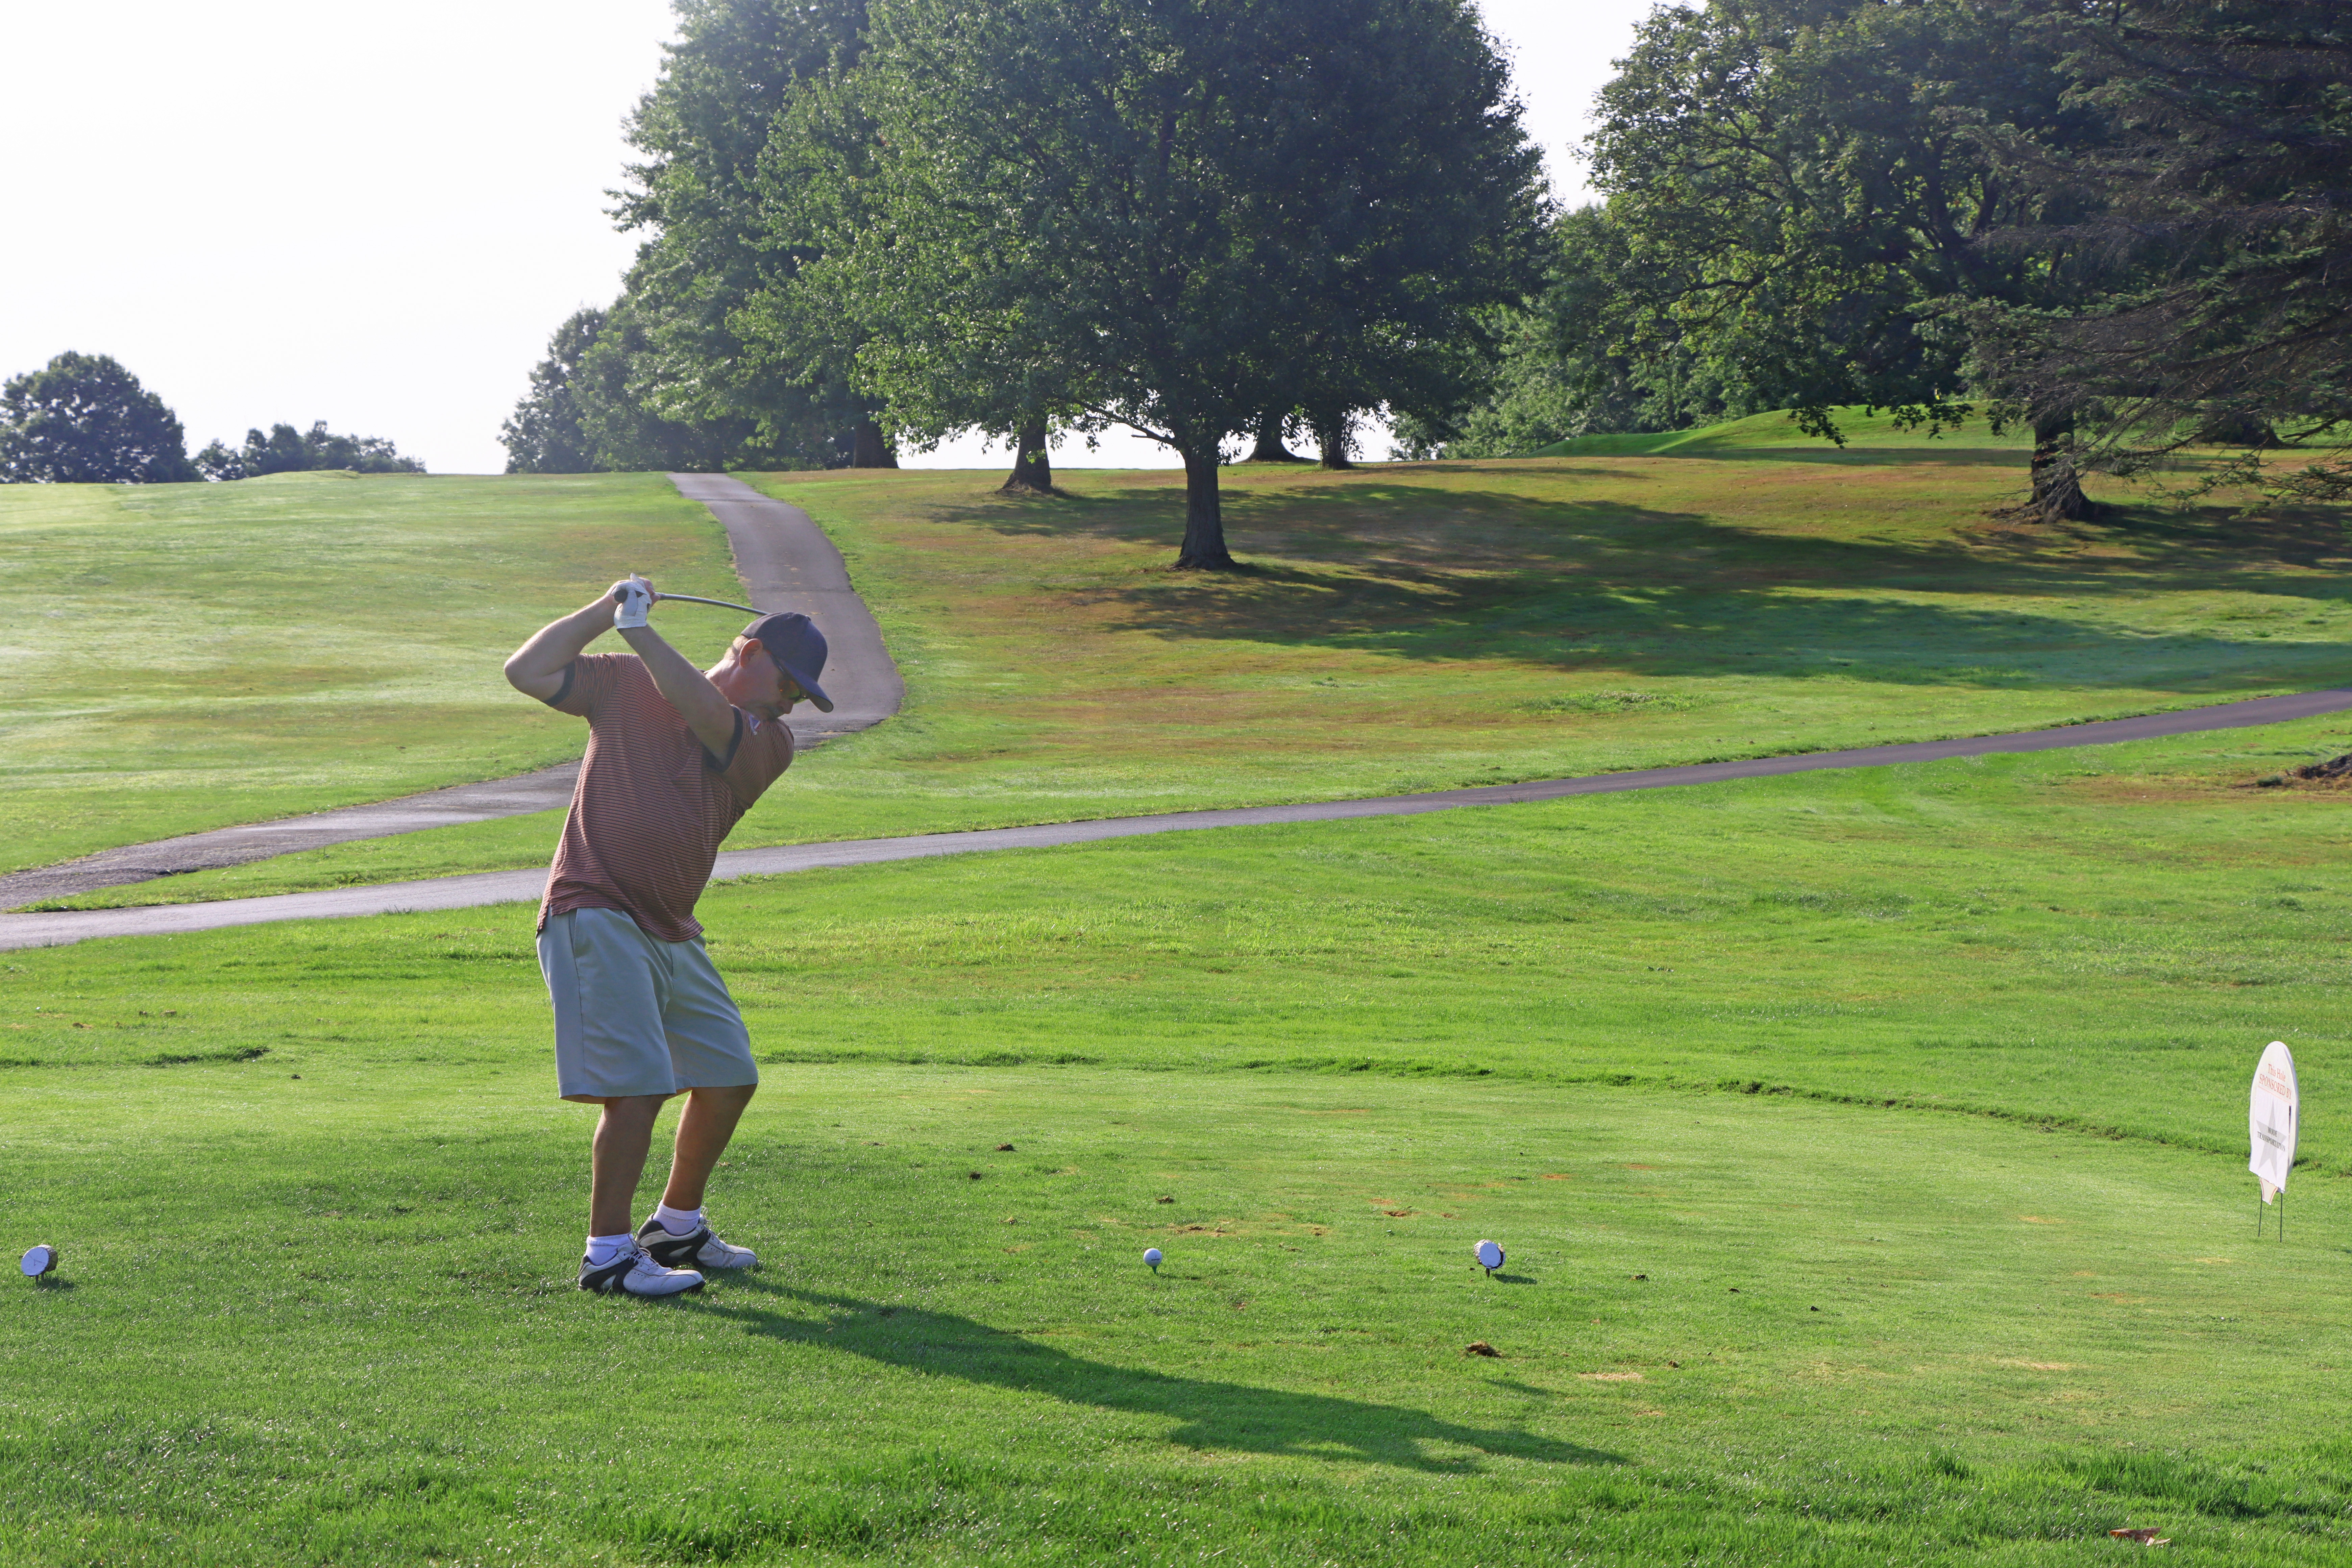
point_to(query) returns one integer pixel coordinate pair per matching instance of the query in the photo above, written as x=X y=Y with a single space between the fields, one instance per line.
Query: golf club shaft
x=693 y=599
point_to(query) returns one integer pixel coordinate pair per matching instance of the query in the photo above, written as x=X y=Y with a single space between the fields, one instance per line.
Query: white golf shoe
x=631 y=1273
x=698 y=1248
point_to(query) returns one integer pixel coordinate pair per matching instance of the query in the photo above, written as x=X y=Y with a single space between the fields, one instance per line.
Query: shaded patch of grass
x=188 y=1059
x=1608 y=701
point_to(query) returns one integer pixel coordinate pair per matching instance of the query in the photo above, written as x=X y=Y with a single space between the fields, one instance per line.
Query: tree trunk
x=1032 y=467
x=868 y=450
x=2057 y=484
x=1331 y=437
x=1204 y=524
x=1269 y=447
x=2250 y=431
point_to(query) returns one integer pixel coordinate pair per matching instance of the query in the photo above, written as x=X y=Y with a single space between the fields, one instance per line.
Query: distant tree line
x=84 y=420
x=871 y=223
x=2118 y=225
x=286 y=450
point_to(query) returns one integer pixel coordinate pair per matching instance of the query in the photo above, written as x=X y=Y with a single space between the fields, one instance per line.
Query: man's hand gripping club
x=537 y=668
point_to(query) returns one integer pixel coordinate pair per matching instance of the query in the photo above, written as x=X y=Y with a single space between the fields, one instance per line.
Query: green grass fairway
x=192 y=656
x=2103 y=939
x=1421 y=626
x=318 y=1206
x=328 y=1320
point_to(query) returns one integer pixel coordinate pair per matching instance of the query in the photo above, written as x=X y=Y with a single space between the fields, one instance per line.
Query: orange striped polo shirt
x=653 y=804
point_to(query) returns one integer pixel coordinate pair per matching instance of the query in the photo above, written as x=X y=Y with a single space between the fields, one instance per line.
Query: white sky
x=375 y=215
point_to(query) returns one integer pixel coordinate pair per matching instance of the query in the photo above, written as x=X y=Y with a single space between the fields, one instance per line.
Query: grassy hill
x=186 y=656
x=1423 y=626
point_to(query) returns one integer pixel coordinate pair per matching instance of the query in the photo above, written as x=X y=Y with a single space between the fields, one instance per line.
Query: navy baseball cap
x=793 y=640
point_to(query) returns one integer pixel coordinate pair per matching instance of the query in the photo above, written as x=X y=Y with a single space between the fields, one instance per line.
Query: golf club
x=692 y=599
x=699 y=599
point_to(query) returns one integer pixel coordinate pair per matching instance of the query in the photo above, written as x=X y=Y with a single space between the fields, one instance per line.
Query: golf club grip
x=694 y=599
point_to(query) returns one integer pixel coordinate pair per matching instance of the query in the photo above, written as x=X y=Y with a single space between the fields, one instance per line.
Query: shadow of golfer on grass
x=1228 y=1416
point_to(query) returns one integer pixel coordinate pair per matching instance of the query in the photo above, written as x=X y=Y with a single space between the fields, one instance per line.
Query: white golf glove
x=633 y=597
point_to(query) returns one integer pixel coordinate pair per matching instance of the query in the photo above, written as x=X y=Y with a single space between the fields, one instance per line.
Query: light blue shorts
x=635 y=1014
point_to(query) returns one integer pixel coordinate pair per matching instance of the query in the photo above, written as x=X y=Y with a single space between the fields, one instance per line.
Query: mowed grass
x=187 y=657
x=1956 y=1054
x=1415 y=627
x=2103 y=939
x=331 y=1320
x=1421 y=626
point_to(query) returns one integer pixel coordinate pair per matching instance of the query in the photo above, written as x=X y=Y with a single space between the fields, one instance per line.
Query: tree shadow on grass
x=1416 y=571
x=1210 y=1414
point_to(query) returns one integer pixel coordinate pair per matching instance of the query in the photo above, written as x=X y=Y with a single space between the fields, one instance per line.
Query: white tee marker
x=2271 y=1120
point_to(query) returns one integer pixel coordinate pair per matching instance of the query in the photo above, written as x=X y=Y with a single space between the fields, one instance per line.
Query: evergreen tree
x=2221 y=194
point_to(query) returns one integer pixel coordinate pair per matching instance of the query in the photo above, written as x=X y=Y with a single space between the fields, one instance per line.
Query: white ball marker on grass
x=38 y=1261
x=1152 y=1258
x=1490 y=1256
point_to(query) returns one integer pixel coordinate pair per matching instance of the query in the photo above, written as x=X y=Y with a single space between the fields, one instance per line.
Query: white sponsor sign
x=2271 y=1121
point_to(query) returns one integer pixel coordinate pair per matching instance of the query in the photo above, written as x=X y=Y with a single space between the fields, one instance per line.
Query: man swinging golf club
x=675 y=756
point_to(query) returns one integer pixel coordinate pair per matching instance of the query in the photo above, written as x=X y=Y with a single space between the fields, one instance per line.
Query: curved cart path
x=506 y=887
x=785 y=563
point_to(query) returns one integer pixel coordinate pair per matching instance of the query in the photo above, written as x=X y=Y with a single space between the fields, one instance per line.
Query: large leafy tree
x=824 y=179
x=1423 y=85
x=84 y=420
x=1806 y=189
x=678 y=358
x=1165 y=214
x=2223 y=192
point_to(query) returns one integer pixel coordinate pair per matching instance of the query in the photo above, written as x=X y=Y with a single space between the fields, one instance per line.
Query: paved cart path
x=785 y=563
x=504 y=887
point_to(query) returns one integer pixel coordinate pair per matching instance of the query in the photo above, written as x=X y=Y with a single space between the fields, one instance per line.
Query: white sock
x=678 y=1222
x=603 y=1249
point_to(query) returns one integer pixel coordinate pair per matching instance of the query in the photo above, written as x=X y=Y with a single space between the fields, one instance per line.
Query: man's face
x=774 y=692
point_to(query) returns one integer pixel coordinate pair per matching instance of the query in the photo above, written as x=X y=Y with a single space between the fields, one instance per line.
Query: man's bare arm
x=709 y=714
x=536 y=668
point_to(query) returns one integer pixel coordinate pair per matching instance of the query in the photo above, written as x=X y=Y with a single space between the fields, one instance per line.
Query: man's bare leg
x=624 y=1134
x=703 y=1131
